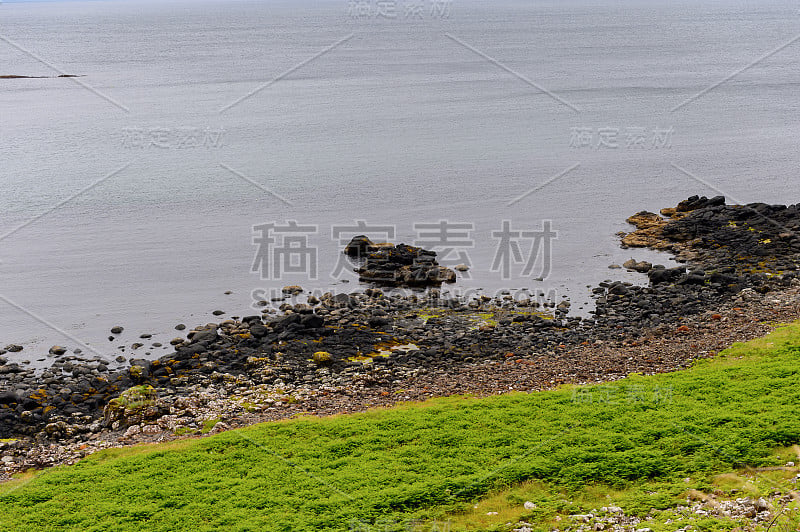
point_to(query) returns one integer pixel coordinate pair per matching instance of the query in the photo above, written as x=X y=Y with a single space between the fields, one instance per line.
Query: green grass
x=637 y=438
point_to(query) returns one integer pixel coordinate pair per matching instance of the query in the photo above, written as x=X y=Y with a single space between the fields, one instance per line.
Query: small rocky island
x=13 y=76
x=347 y=352
x=397 y=265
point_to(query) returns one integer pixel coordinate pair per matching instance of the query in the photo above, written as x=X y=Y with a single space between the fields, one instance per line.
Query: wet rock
x=311 y=321
x=665 y=275
x=699 y=202
x=8 y=397
x=359 y=246
x=638 y=266
x=649 y=231
x=292 y=289
x=258 y=330
x=206 y=335
x=377 y=322
x=404 y=265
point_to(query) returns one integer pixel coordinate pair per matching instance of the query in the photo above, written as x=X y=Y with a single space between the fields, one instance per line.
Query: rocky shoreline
x=349 y=352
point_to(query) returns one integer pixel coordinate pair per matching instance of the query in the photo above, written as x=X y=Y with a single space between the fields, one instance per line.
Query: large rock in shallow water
x=404 y=265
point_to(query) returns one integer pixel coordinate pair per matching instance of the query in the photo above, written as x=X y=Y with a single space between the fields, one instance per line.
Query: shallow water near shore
x=404 y=122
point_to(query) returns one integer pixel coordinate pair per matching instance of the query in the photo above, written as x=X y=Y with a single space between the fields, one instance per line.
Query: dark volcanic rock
x=359 y=246
x=404 y=265
x=698 y=202
x=204 y=335
x=665 y=275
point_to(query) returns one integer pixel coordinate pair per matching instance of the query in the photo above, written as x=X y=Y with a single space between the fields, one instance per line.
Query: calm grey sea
x=129 y=195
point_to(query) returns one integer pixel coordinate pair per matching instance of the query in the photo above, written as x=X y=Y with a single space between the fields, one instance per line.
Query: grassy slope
x=424 y=460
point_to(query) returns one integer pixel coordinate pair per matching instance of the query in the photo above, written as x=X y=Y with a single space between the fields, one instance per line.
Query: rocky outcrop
x=727 y=239
x=14 y=76
x=398 y=265
x=134 y=405
x=649 y=231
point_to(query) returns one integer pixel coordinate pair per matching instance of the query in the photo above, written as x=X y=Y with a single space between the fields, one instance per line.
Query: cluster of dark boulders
x=397 y=265
x=68 y=389
x=729 y=239
x=692 y=203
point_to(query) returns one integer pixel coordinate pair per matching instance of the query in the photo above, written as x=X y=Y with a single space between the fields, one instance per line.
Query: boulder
x=258 y=330
x=132 y=406
x=359 y=246
x=8 y=397
x=404 y=265
x=322 y=357
x=311 y=321
x=205 y=336
x=665 y=275
x=292 y=289
x=642 y=266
